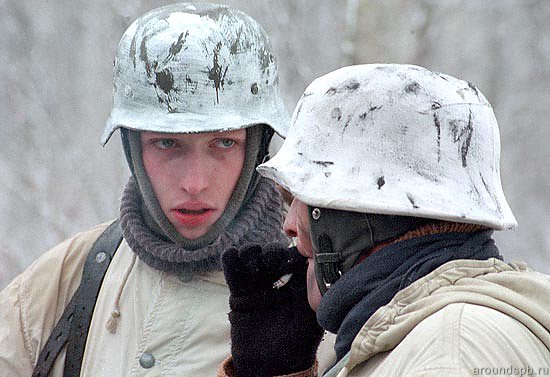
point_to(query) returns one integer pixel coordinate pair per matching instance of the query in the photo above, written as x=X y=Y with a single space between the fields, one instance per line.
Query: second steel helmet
x=395 y=140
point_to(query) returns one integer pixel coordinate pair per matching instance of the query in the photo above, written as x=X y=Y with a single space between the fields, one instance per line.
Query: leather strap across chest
x=72 y=328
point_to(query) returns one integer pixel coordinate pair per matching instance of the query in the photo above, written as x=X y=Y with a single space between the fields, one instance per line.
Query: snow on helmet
x=195 y=67
x=397 y=140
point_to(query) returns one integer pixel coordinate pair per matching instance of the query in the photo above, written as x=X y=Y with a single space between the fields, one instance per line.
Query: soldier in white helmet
x=196 y=100
x=395 y=175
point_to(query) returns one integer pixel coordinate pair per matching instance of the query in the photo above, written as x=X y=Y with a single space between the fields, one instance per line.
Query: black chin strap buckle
x=327 y=261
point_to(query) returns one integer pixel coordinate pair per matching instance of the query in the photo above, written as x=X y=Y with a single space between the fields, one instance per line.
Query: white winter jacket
x=466 y=318
x=176 y=323
x=179 y=323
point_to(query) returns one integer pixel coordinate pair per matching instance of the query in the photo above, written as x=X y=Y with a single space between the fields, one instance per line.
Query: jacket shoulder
x=460 y=339
x=471 y=338
x=32 y=303
x=59 y=270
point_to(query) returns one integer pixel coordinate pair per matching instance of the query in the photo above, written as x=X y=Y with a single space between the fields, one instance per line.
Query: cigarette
x=282 y=281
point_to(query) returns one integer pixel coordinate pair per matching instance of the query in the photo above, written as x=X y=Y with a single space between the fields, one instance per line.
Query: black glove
x=273 y=330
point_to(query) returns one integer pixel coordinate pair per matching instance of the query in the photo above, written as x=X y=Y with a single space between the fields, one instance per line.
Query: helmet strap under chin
x=339 y=238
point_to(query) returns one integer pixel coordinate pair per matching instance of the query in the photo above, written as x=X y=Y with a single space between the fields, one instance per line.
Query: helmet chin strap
x=340 y=237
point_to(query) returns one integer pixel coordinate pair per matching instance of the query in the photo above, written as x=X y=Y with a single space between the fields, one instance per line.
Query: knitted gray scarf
x=258 y=221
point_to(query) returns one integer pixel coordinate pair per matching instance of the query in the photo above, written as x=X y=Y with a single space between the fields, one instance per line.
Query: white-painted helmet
x=396 y=140
x=195 y=67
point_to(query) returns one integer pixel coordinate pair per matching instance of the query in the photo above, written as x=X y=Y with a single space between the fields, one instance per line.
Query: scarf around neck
x=258 y=221
x=371 y=284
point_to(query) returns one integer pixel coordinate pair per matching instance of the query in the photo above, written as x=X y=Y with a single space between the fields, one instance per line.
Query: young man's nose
x=195 y=177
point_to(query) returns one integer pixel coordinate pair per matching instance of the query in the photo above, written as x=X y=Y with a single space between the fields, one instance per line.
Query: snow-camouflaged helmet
x=395 y=140
x=195 y=67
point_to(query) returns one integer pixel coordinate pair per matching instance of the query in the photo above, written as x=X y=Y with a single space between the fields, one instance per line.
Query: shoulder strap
x=72 y=327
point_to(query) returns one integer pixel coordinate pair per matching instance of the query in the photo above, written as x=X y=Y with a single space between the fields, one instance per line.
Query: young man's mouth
x=192 y=214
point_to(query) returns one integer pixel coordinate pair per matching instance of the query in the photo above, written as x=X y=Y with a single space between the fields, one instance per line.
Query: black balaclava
x=340 y=237
x=257 y=144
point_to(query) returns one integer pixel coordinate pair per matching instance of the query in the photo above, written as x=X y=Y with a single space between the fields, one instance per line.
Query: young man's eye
x=165 y=143
x=225 y=143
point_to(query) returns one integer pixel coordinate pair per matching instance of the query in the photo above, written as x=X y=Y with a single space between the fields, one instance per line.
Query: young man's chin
x=193 y=234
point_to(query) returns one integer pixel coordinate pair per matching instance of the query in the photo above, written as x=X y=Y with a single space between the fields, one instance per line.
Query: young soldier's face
x=193 y=175
x=297 y=225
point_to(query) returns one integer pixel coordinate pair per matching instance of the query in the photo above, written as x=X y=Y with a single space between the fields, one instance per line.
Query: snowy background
x=56 y=62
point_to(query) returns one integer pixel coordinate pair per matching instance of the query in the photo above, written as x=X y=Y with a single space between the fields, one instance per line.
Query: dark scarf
x=259 y=221
x=348 y=303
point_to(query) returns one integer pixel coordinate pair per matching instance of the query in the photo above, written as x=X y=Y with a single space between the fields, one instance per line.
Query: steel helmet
x=396 y=140
x=195 y=67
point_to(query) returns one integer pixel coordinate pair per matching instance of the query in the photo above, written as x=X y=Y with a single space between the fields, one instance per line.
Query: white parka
x=181 y=321
x=466 y=318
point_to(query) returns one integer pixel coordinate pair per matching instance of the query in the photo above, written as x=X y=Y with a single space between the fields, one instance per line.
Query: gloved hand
x=273 y=330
